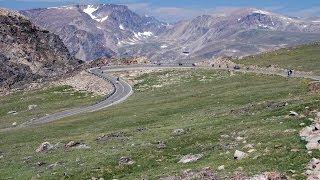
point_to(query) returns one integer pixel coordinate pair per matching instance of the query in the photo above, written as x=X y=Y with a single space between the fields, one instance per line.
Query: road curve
x=122 y=90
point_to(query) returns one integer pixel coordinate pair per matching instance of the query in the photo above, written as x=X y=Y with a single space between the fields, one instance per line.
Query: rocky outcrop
x=311 y=134
x=28 y=53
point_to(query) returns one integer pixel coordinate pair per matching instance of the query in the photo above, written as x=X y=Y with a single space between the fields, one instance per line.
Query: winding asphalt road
x=122 y=90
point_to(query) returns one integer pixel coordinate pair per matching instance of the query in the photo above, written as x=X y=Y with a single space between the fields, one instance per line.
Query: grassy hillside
x=303 y=58
x=41 y=102
x=213 y=108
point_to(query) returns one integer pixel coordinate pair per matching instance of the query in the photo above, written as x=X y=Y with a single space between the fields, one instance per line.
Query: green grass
x=53 y=99
x=205 y=103
x=303 y=58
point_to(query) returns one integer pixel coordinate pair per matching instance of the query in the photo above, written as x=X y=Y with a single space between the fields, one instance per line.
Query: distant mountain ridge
x=94 y=31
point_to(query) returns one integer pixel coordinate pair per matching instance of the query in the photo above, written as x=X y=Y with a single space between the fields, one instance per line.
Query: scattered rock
x=39 y=164
x=51 y=166
x=1 y=156
x=302 y=124
x=239 y=155
x=31 y=107
x=248 y=146
x=141 y=129
x=205 y=174
x=46 y=146
x=190 y=158
x=314 y=87
x=125 y=161
x=82 y=146
x=313 y=169
x=224 y=136
x=239 y=138
x=161 y=145
x=312 y=145
x=267 y=176
x=290 y=130
x=178 y=131
x=251 y=150
x=72 y=144
x=116 y=135
x=12 y=112
x=292 y=113
x=14 y=124
x=220 y=168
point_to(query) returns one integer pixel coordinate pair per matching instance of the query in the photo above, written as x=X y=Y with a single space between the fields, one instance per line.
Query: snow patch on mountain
x=260 y=12
x=102 y=19
x=146 y=33
x=90 y=10
x=121 y=27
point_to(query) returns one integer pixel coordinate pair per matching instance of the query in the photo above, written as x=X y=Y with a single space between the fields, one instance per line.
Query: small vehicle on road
x=180 y=64
x=236 y=67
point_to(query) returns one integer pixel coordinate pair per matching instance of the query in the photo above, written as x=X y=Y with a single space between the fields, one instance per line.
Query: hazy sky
x=173 y=10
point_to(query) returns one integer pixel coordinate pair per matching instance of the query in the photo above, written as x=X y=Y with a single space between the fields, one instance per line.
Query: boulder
x=33 y=106
x=312 y=145
x=306 y=132
x=14 y=124
x=190 y=158
x=240 y=155
x=220 y=168
x=72 y=144
x=12 y=112
x=161 y=145
x=178 y=131
x=292 y=113
x=125 y=161
x=45 y=146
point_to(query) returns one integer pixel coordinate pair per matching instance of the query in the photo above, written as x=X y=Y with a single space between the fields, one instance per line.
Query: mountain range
x=94 y=31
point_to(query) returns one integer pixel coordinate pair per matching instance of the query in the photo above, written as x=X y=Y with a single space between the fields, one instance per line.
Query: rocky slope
x=95 y=31
x=28 y=53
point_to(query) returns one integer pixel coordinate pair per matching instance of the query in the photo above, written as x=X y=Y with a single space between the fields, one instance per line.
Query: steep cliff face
x=28 y=53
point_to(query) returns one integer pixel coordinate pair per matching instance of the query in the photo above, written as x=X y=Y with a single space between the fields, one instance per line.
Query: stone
x=125 y=161
x=31 y=107
x=190 y=158
x=239 y=138
x=239 y=155
x=312 y=145
x=71 y=144
x=45 y=146
x=161 y=145
x=12 y=112
x=251 y=150
x=178 y=131
x=248 y=146
x=220 y=168
x=39 y=164
x=82 y=146
x=14 y=124
x=292 y=113
x=305 y=132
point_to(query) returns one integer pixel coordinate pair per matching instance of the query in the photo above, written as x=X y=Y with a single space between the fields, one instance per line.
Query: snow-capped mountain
x=92 y=31
x=237 y=33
